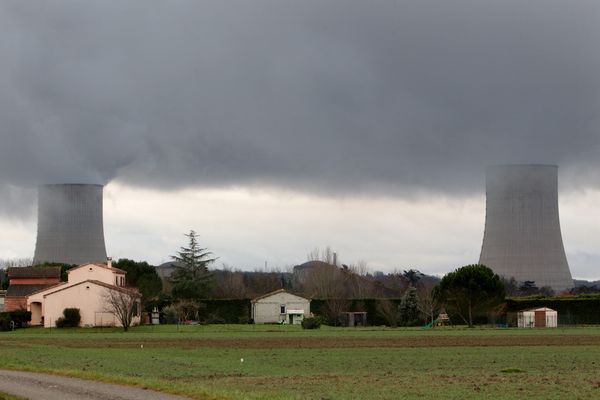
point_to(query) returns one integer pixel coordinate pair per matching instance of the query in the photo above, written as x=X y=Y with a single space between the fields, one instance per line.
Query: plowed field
x=332 y=342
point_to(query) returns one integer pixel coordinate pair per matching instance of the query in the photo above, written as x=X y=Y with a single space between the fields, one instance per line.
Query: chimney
x=335 y=258
x=109 y=262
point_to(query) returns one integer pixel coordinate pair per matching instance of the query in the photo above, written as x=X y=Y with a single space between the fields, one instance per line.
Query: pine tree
x=191 y=278
x=409 y=307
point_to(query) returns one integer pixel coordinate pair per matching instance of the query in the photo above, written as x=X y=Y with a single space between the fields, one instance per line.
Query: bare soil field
x=326 y=342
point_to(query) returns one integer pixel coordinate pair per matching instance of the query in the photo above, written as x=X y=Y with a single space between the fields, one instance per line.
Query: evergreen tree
x=409 y=307
x=412 y=276
x=469 y=290
x=191 y=278
x=142 y=276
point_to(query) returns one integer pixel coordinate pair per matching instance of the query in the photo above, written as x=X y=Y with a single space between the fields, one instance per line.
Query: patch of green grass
x=170 y=364
x=6 y=396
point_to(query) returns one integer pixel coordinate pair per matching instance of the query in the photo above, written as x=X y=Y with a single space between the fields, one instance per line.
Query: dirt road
x=51 y=387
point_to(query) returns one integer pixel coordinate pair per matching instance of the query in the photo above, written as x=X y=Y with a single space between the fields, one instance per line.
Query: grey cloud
x=335 y=96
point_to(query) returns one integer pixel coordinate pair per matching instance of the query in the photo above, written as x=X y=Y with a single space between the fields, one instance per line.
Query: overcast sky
x=273 y=127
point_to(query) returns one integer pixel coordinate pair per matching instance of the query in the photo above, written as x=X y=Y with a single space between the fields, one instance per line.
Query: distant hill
x=582 y=282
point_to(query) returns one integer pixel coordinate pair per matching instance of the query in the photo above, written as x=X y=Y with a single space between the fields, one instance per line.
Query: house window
x=282 y=309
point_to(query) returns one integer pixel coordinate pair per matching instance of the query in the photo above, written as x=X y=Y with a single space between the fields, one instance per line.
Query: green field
x=285 y=362
x=4 y=396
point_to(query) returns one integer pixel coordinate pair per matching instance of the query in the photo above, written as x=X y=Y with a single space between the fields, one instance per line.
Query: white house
x=538 y=318
x=88 y=288
x=280 y=307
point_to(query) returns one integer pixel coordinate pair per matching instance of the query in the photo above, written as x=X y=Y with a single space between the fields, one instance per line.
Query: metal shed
x=538 y=318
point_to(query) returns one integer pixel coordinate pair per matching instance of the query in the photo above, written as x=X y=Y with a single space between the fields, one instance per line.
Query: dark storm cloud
x=337 y=96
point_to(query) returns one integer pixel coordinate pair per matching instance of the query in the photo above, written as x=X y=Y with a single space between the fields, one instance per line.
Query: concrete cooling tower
x=522 y=236
x=70 y=227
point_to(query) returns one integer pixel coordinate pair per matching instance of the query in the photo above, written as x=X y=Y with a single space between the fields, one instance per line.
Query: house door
x=36 y=313
x=540 y=319
x=291 y=319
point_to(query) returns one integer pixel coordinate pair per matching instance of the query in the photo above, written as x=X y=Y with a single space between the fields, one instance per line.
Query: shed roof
x=539 y=309
x=264 y=296
x=34 y=272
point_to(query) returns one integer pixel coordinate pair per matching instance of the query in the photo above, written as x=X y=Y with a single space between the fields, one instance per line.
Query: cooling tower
x=522 y=236
x=70 y=227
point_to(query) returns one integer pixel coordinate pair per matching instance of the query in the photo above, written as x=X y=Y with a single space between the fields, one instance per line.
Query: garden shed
x=281 y=307
x=538 y=318
x=354 y=318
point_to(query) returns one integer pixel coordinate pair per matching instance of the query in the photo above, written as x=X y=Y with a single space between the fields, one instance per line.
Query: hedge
x=235 y=311
x=21 y=319
x=572 y=310
x=575 y=310
x=319 y=307
x=227 y=311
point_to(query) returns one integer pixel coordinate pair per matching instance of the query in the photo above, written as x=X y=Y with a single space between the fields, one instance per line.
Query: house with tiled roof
x=88 y=288
x=26 y=280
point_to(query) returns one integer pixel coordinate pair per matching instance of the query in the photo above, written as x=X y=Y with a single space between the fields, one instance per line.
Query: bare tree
x=229 y=284
x=396 y=282
x=187 y=309
x=326 y=255
x=334 y=307
x=123 y=303
x=325 y=282
x=263 y=281
x=359 y=268
x=427 y=303
x=16 y=262
x=390 y=311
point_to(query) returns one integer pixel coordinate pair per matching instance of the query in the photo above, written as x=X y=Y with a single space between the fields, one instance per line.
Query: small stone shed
x=537 y=318
x=281 y=307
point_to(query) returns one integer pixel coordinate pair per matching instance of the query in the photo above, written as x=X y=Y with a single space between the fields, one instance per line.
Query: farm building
x=354 y=318
x=538 y=318
x=280 y=307
x=88 y=288
x=26 y=280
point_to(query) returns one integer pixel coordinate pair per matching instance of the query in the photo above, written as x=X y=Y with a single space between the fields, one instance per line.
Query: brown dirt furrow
x=328 y=342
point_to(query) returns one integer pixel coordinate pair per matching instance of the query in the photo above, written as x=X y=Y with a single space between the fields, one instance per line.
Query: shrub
x=170 y=315
x=20 y=318
x=311 y=323
x=70 y=319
